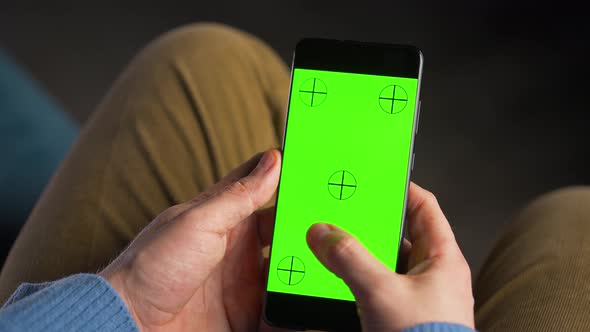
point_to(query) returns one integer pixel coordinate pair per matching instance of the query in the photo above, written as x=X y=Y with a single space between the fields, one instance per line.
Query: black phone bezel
x=307 y=312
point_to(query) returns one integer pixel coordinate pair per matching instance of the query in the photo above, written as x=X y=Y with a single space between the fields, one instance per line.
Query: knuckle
x=241 y=189
x=461 y=269
x=460 y=261
x=431 y=197
x=466 y=270
x=201 y=197
x=344 y=248
x=464 y=278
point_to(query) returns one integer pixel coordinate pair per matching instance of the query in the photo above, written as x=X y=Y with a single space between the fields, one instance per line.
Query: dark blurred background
x=504 y=112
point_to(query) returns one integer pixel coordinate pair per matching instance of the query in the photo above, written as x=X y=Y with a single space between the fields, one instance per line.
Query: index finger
x=427 y=225
x=231 y=205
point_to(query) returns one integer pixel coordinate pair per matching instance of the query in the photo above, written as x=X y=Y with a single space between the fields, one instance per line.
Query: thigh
x=536 y=278
x=189 y=108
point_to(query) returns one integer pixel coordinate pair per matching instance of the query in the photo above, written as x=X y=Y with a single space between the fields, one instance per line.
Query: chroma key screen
x=346 y=162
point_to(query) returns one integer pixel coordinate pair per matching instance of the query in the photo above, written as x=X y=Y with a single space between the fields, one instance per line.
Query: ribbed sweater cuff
x=79 y=302
x=438 y=327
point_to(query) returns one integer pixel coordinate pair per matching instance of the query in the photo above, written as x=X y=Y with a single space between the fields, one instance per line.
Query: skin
x=199 y=265
x=437 y=287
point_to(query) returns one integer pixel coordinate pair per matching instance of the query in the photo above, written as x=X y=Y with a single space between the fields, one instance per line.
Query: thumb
x=347 y=258
x=231 y=205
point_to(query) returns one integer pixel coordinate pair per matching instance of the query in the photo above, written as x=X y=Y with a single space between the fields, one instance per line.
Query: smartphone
x=347 y=157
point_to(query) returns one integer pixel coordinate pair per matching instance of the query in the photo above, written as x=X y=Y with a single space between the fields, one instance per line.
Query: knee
x=203 y=43
x=569 y=204
x=560 y=218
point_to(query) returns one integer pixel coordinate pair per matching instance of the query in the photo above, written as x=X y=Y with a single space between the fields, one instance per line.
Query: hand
x=199 y=265
x=437 y=287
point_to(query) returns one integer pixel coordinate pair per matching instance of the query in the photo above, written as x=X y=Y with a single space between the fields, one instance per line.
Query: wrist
x=117 y=281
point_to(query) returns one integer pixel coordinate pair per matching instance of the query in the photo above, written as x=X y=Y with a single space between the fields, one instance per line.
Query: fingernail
x=266 y=162
x=323 y=237
x=320 y=231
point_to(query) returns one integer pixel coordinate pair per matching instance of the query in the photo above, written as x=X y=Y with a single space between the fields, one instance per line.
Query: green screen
x=346 y=161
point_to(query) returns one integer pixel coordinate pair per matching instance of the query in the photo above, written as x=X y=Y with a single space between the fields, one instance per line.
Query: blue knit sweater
x=87 y=302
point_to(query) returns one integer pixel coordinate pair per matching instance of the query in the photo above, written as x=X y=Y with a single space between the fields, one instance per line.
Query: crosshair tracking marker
x=291 y=270
x=342 y=185
x=313 y=92
x=393 y=99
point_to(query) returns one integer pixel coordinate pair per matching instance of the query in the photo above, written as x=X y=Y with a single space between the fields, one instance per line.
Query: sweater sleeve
x=88 y=302
x=439 y=327
x=79 y=302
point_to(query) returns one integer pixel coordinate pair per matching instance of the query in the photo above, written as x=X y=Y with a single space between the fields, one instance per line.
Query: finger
x=235 y=202
x=428 y=227
x=231 y=177
x=265 y=221
x=237 y=173
x=406 y=247
x=346 y=257
x=403 y=257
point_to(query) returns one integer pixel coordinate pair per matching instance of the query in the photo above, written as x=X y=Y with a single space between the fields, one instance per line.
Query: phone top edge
x=307 y=40
x=358 y=57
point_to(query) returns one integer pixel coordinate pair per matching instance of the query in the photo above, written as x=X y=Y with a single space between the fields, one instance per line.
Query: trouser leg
x=537 y=278
x=190 y=107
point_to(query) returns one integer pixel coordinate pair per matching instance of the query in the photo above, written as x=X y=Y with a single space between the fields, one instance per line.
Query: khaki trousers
x=196 y=103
